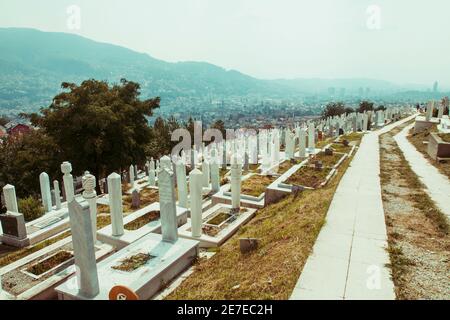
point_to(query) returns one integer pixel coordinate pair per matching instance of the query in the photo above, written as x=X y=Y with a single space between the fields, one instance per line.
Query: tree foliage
x=333 y=109
x=219 y=125
x=98 y=127
x=365 y=106
x=160 y=143
x=24 y=157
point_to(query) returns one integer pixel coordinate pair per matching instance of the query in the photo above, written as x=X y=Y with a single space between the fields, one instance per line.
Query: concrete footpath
x=437 y=184
x=349 y=257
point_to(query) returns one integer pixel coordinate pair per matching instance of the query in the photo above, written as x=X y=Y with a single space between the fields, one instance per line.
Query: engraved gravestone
x=169 y=225
x=14 y=229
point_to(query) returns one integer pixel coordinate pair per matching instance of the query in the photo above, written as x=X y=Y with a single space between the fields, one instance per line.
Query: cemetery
x=147 y=228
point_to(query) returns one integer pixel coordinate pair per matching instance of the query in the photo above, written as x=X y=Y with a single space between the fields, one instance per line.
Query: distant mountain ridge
x=34 y=63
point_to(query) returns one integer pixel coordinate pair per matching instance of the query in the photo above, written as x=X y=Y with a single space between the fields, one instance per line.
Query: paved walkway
x=349 y=257
x=437 y=184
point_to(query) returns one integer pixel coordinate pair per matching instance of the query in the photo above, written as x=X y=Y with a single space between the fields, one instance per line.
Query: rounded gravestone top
x=114 y=175
x=195 y=172
x=43 y=175
x=8 y=187
x=66 y=167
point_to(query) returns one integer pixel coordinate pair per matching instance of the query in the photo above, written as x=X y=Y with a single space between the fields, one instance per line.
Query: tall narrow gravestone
x=152 y=174
x=57 y=193
x=182 y=184
x=115 y=203
x=90 y=195
x=215 y=175
x=205 y=171
x=236 y=172
x=46 y=195
x=168 y=213
x=131 y=175
x=429 y=112
x=302 y=143
x=66 y=169
x=83 y=248
x=195 y=187
x=311 y=137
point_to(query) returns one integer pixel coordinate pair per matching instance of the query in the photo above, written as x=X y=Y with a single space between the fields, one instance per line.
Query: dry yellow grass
x=21 y=253
x=287 y=231
x=418 y=233
x=352 y=137
x=418 y=139
x=256 y=185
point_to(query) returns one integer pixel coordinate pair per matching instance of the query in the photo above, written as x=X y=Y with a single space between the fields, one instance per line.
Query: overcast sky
x=410 y=43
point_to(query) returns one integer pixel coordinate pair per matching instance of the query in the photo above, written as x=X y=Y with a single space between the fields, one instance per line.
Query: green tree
x=349 y=110
x=160 y=143
x=219 y=125
x=98 y=127
x=365 y=106
x=23 y=158
x=333 y=109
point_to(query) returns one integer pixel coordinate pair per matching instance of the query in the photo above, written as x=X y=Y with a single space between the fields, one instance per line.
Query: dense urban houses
x=16 y=129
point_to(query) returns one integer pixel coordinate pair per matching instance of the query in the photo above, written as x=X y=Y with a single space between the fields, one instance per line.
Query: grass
x=50 y=263
x=419 y=197
x=133 y=263
x=256 y=185
x=19 y=254
x=322 y=143
x=286 y=165
x=418 y=139
x=399 y=263
x=352 y=137
x=142 y=220
x=102 y=221
x=286 y=231
x=339 y=147
x=251 y=168
x=218 y=219
x=327 y=160
x=445 y=137
x=419 y=230
x=147 y=196
x=308 y=177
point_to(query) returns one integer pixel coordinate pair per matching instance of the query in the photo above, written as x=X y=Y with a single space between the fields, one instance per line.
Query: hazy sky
x=266 y=38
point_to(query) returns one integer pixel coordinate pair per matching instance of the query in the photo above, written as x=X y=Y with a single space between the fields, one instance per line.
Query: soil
x=218 y=219
x=419 y=244
x=286 y=165
x=354 y=137
x=50 y=263
x=256 y=185
x=142 y=220
x=327 y=160
x=339 y=147
x=308 y=177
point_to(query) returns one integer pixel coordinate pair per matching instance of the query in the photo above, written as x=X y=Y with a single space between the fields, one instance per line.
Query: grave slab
x=130 y=236
x=166 y=261
x=208 y=241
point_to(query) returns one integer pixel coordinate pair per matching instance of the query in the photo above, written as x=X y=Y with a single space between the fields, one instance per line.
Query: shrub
x=31 y=208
